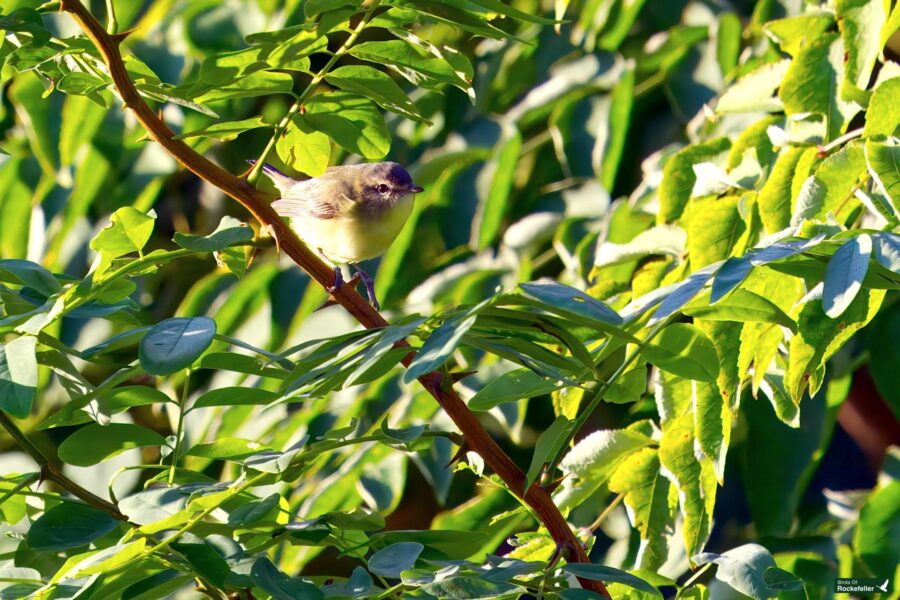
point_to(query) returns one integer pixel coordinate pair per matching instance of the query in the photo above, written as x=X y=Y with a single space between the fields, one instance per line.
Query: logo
x=864 y=585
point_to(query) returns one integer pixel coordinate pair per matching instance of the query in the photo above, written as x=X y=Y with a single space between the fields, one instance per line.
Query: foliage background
x=560 y=152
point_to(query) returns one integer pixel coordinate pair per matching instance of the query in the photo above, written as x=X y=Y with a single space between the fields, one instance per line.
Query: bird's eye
x=383 y=188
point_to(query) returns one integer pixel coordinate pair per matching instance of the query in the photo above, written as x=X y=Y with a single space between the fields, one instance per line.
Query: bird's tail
x=280 y=180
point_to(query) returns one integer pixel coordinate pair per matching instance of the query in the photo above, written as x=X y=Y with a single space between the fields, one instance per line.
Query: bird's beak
x=414 y=189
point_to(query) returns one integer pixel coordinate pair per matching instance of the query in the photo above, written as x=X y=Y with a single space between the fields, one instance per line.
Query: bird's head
x=386 y=183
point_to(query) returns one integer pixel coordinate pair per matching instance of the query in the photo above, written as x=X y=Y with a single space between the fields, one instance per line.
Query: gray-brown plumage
x=350 y=213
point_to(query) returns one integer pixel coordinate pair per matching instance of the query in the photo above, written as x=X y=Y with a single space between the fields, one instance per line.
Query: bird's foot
x=338 y=281
x=370 y=286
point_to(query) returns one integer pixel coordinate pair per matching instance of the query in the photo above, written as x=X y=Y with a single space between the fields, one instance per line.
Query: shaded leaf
x=174 y=344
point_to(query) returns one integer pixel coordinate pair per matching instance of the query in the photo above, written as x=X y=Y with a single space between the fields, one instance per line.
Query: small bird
x=349 y=214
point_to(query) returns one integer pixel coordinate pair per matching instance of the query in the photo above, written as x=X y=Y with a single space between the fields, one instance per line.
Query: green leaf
x=225 y=131
x=466 y=587
x=568 y=301
x=439 y=346
x=415 y=64
x=774 y=198
x=619 y=120
x=229 y=231
x=741 y=306
x=678 y=177
x=838 y=174
x=69 y=525
x=683 y=349
x=260 y=83
x=647 y=496
x=883 y=114
x=518 y=384
x=494 y=185
x=878 y=531
x=153 y=505
x=18 y=376
x=743 y=568
x=884 y=355
x=106 y=404
x=376 y=86
x=205 y=560
x=662 y=240
x=755 y=92
x=795 y=33
x=883 y=161
x=234 y=396
x=861 y=22
x=713 y=227
x=94 y=443
x=728 y=41
x=279 y=586
x=352 y=121
x=548 y=445
x=592 y=461
x=453 y=12
x=391 y=560
x=227 y=448
x=809 y=201
x=844 y=275
x=174 y=344
x=813 y=82
x=128 y=231
x=381 y=484
x=603 y=573
x=25 y=272
x=818 y=337
x=676 y=454
x=712 y=410
x=303 y=148
x=253 y=511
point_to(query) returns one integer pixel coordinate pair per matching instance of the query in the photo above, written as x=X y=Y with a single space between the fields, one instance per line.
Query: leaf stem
x=256 y=171
x=179 y=432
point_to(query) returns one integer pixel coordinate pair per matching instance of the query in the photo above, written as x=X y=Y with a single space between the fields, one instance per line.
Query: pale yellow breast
x=355 y=237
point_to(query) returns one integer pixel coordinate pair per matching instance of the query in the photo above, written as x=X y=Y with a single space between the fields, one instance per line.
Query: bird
x=349 y=214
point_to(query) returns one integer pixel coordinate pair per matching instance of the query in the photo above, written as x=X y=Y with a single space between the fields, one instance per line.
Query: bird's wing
x=308 y=201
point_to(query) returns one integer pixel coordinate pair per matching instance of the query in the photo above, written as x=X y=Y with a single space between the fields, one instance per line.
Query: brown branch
x=257 y=203
x=50 y=472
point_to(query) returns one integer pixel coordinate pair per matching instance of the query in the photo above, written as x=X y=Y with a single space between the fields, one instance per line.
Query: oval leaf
x=844 y=275
x=392 y=560
x=175 y=344
x=94 y=443
x=69 y=525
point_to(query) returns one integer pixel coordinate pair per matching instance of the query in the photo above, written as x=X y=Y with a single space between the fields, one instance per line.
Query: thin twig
x=257 y=203
x=606 y=512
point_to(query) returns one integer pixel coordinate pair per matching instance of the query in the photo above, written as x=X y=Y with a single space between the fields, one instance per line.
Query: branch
x=52 y=473
x=257 y=203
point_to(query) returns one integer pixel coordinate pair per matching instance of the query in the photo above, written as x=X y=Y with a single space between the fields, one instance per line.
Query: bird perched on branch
x=349 y=214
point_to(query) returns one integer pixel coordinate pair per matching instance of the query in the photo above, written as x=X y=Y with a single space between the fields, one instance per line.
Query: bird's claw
x=338 y=281
x=370 y=287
